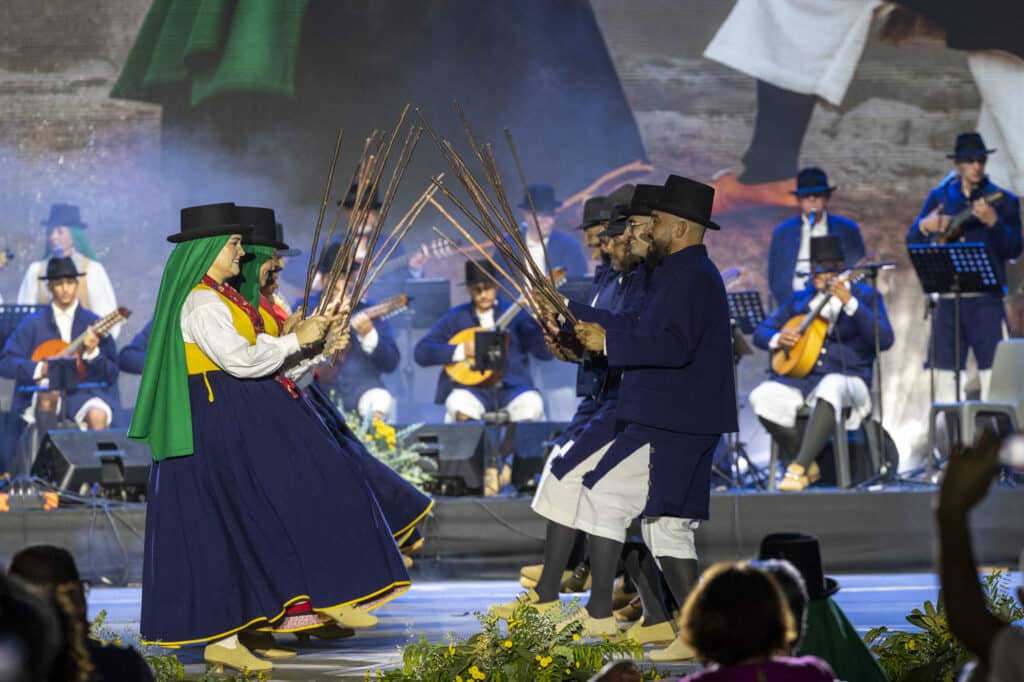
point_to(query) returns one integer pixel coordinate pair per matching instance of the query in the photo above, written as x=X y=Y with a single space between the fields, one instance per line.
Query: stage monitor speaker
x=75 y=460
x=459 y=451
x=531 y=444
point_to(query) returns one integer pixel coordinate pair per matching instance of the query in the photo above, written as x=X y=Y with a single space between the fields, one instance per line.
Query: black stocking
x=558 y=544
x=820 y=426
x=782 y=119
x=641 y=567
x=788 y=437
x=604 y=557
x=681 y=576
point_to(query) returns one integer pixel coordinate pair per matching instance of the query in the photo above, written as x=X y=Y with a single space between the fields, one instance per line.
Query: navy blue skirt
x=402 y=503
x=268 y=511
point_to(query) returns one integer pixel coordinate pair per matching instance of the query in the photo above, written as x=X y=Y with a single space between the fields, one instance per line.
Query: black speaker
x=531 y=444
x=459 y=451
x=71 y=459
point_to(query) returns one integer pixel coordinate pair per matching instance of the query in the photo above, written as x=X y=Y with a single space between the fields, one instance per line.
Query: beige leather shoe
x=529 y=576
x=237 y=658
x=598 y=628
x=678 y=650
x=263 y=644
x=349 y=616
x=661 y=634
x=529 y=597
x=795 y=479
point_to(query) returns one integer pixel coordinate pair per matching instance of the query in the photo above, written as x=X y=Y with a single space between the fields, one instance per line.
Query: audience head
x=30 y=634
x=737 y=613
x=795 y=591
x=52 y=571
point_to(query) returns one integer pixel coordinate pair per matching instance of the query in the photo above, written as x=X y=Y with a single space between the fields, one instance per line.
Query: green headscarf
x=255 y=257
x=163 y=417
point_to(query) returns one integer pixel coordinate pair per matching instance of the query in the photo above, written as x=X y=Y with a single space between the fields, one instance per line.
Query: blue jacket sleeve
x=16 y=357
x=132 y=357
x=668 y=342
x=386 y=355
x=772 y=324
x=1005 y=235
x=853 y=243
x=914 y=234
x=433 y=348
x=103 y=368
x=775 y=274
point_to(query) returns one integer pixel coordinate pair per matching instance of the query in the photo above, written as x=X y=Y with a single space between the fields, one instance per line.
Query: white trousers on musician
x=806 y=46
x=778 y=402
x=609 y=508
x=29 y=415
x=377 y=401
x=945 y=384
x=525 y=407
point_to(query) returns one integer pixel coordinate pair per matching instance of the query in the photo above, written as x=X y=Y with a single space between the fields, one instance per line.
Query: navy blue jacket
x=1003 y=238
x=16 y=359
x=361 y=371
x=132 y=357
x=525 y=338
x=850 y=346
x=677 y=353
x=785 y=249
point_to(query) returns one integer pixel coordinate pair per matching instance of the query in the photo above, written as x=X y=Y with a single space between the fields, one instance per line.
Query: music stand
x=954 y=269
x=745 y=313
x=11 y=315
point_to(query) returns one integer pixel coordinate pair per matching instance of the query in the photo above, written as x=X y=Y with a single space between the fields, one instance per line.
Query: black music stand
x=11 y=315
x=953 y=269
x=745 y=313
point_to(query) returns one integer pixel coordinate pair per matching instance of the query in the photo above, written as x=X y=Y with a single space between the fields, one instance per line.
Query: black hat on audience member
x=804 y=552
x=594 y=212
x=480 y=271
x=812 y=180
x=209 y=220
x=61 y=268
x=826 y=249
x=687 y=199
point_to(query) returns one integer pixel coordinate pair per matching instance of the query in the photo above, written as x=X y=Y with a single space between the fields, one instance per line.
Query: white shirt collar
x=67 y=314
x=820 y=227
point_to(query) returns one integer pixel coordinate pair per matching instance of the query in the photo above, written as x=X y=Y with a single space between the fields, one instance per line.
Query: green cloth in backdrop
x=249 y=285
x=163 y=416
x=213 y=47
x=831 y=637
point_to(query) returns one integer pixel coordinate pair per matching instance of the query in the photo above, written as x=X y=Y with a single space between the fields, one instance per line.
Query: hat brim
x=289 y=253
x=68 y=275
x=971 y=155
x=680 y=213
x=831 y=587
x=546 y=208
x=274 y=244
x=51 y=225
x=218 y=231
x=589 y=224
x=819 y=189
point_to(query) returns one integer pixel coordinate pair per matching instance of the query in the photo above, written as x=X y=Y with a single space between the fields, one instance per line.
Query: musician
x=515 y=393
x=132 y=357
x=65 y=319
x=997 y=224
x=789 y=253
x=66 y=238
x=562 y=250
x=675 y=401
x=841 y=378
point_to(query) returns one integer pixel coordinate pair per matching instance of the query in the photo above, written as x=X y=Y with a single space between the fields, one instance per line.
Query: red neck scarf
x=230 y=293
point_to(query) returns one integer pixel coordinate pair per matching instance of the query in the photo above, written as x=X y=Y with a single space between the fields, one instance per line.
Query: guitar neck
x=101 y=328
x=383 y=308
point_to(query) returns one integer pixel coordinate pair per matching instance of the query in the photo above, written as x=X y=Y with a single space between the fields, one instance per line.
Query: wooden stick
x=529 y=197
x=320 y=219
x=498 y=284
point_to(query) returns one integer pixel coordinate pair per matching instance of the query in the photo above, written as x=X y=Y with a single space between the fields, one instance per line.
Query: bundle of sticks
x=494 y=217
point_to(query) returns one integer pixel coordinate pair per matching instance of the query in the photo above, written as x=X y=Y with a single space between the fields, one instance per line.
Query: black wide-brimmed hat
x=804 y=552
x=209 y=220
x=826 y=249
x=66 y=215
x=687 y=199
x=350 y=199
x=644 y=196
x=812 y=180
x=480 y=271
x=617 y=223
x=594 y=212
x=621 y=195
x=287 y=251
x=969 y=146
x=61 y=268
x=263 y=224
x=543 y=196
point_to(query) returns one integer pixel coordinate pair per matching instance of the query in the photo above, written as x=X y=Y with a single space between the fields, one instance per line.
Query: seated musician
x=789 y=253
x=515 y=393
x=994 y=221
x=358 y=376
x=840 y=378
x=132 y=357
x=64 y=319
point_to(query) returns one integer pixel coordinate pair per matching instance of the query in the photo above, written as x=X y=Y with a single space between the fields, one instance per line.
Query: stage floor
x=434 y=609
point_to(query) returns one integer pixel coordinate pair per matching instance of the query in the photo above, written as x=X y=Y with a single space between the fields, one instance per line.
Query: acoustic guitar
x=463 y=371
x=955 y=230
x=56 y=348
x=798 y=361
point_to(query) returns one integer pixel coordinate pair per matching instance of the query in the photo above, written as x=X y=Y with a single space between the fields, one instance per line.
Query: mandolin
x=462 y=372
x=955 y=230
x=798 y=361
x=56 y=348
